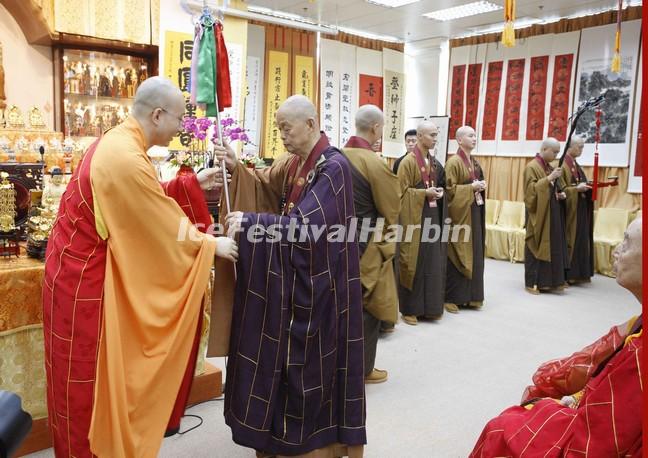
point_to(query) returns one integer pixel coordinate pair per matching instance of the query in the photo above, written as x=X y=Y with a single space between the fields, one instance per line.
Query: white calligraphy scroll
x=348 y=92
x=330 y=90
x=393 y=102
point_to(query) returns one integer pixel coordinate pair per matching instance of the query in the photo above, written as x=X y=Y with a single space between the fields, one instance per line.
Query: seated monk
x=589 y=404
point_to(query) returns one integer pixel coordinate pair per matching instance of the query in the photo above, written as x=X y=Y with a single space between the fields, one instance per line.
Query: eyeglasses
x=179 y=119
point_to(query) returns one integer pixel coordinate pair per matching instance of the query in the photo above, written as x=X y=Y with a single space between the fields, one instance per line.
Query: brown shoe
x=451 y=308
x=533 y=290
x=410 y=319
x=387 y=330
x=475 y=304
x=433 y=317
x=376 y=376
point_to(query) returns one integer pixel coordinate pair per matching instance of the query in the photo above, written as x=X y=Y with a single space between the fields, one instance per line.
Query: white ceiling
x=407 y=24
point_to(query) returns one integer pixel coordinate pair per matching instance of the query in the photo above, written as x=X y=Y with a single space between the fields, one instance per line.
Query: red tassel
x=223 y=85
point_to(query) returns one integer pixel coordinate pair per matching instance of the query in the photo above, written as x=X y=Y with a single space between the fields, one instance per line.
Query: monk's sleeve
x=412 y=199
x=460 y=195
x=186 y=191
x=385 y=188
x=537 y=190
x=156 y=276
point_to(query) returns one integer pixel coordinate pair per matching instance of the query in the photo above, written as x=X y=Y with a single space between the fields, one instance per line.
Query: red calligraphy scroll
x=559 y=111
x=371 y=91
x=457 y=97
x=472 y=94
x=513 y=99
x=537 y=97
x=491 y=104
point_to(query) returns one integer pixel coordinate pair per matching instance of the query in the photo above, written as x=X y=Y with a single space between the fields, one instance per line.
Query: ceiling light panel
x=461 y=11
x=392 y=3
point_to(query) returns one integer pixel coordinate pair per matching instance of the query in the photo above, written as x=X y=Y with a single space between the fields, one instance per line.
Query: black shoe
x=171 y=432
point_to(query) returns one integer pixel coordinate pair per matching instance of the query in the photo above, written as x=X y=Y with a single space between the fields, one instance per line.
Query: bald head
x=628 y=259
x=297 y=107
x=466 y=138
x=426 y=136
x=156 y=91
x=368 y=117
x=297 y=122
x=549 y=149
x=576 y=146
x=159 y=108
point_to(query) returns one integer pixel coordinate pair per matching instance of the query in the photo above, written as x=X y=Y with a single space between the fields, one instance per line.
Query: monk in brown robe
x=376 y=198
x=545 y=253
x=579 y=221
x=466 y=192
x=423 y=258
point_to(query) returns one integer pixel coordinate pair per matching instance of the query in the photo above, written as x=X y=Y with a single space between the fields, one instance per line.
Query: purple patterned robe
x=295 y=372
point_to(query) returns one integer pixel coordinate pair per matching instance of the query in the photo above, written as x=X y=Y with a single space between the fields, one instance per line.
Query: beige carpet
x=447 y=379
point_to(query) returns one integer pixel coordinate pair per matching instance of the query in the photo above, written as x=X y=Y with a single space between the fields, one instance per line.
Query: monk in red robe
x=589 y=404
x=124 y=287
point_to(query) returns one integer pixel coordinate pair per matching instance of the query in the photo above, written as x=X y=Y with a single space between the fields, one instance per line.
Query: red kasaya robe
x=122 y=300
x=605 y=421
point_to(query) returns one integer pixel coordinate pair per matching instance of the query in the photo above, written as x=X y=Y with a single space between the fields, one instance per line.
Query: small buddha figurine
x=54 y=188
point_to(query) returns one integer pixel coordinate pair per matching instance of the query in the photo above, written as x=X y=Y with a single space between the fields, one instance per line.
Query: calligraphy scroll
x=371 y=90
x=346 y=96
x=559 y=111
x=472 y=95
x=178 y=51
x=394 y=106
x=277 y=90
x=491 y=103
x=304 y=83
x=537 y=98
x=513 y=99
x=457 y=97
x=638 y=168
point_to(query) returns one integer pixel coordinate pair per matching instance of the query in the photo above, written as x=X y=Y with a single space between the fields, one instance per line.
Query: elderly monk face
x=410 y=142
x=427 y=135
x=627 y=259
x=296 y=130
x=549 y=152
x=576 y=148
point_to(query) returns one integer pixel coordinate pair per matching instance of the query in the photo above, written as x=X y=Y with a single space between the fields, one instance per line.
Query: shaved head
x=367 y=117
x=576 y=146
x=156 y=91
x=297 y=122
x=426 y=135
x=466 y=138
x=297 y=107
x=549 y=149
x=159 y=108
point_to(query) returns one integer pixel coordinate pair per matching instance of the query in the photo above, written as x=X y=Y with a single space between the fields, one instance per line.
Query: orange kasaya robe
x=122 y=299
x=605 y=420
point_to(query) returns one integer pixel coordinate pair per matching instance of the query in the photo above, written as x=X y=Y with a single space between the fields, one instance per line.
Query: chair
x=507 y=236
x=492 y=213
x=609 y=226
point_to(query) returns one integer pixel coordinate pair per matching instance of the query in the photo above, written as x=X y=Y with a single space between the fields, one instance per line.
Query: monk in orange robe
x=589 y=404
x=124 y=287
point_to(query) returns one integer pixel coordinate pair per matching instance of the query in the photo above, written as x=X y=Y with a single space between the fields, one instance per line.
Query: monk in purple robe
x=295 y=370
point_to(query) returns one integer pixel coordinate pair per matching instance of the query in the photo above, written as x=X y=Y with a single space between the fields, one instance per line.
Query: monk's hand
x=233 y=222
x=207 y=179
x=226 y=248
x=555 y=174
x=218 y=178
x=225 y=152
x=561 y=195
x=478 y=186
x=567 y=401
x=434 y=192
x=583 y=187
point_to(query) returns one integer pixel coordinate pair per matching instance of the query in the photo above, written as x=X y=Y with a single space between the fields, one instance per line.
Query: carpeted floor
x=447 y=379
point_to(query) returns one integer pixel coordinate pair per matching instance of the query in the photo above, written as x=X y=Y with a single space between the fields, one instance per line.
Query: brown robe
x=579 y=222
x=465 y=277
x=545 y=251
x=422 y=266
x=376 y=194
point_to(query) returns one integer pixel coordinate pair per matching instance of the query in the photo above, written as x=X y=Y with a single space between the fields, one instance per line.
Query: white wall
x=426 y=65
x=29 y=75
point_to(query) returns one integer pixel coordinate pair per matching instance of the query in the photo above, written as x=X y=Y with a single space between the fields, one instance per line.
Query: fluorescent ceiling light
x=521 y=23
x=392 y=3
x=369 y=35
x=469 y=9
